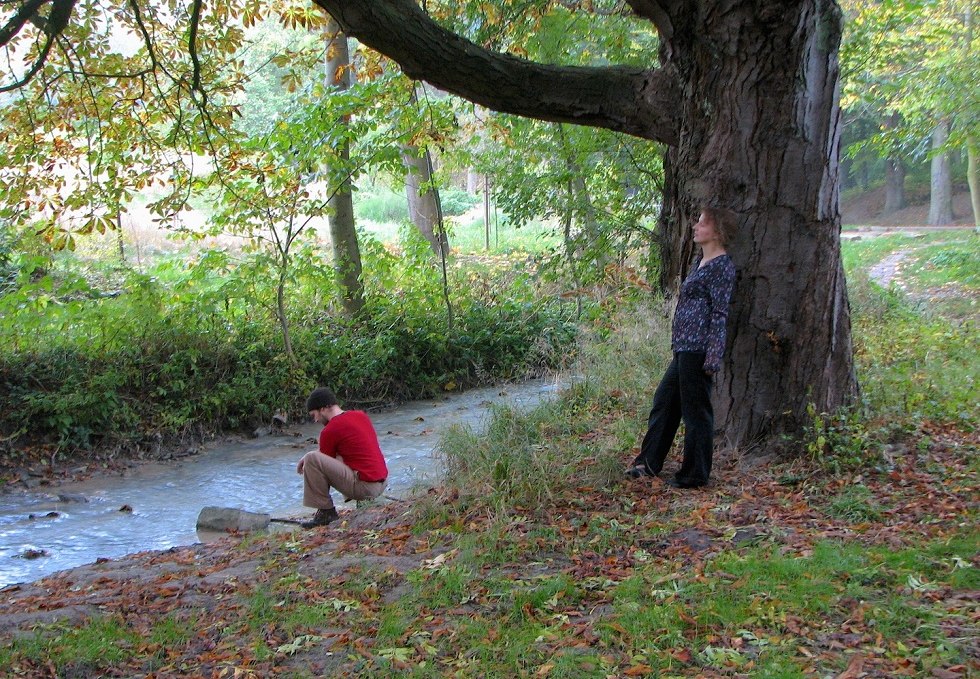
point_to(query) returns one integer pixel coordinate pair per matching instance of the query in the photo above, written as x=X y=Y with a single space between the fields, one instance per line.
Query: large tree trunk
x=343 y=234
x=423 y=198
x=941 y=179
x=894 y=174
x=760 y=127
x=746 y=101
x=894 y=185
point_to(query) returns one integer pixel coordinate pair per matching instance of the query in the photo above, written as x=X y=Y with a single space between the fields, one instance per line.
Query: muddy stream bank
x=155 y=505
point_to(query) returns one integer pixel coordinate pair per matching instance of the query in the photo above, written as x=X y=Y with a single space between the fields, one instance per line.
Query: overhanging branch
x=52 y=26
x=26 y=12
x=636 y=101
x=35 y=67
x=192 y=47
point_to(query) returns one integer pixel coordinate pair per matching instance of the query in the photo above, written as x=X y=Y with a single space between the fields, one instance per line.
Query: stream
x=154 y=506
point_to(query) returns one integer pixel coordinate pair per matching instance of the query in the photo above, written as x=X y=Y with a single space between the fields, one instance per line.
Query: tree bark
x=760 y=126
x=894 y=174
x=473 y=181
x=941 y=182
x=423 y=197
x=894 y=185
x=343 y=234
x=973 y=180
x=747 y=101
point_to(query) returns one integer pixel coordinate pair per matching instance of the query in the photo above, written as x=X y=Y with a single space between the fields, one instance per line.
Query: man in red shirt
x=349 y=458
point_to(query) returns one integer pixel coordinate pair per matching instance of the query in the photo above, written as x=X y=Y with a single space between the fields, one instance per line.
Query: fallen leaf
x=853 y=670
x=638 y=671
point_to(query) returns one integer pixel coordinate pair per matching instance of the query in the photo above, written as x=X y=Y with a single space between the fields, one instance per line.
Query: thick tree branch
x=658 y=12
x=26 y=12
x=640 y=102
x=37 y=66
x=192 y=47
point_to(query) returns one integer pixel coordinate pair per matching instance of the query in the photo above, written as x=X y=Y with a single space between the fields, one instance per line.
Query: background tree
x=343 y=234
x=421 y=186
x=266 y=198
x=909 y=66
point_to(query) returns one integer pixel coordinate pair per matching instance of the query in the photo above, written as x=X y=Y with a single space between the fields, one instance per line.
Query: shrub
x=456 y=201
x=381 y=204
x=193 y=349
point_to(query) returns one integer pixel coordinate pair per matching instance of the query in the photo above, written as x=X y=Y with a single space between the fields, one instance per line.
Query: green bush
x=191 y=348
x=381 y=204
x=456 y=201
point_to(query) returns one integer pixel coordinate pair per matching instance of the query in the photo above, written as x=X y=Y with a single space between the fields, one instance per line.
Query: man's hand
x=299 y=465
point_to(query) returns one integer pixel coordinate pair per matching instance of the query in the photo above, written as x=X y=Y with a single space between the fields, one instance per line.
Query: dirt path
x=885 y=271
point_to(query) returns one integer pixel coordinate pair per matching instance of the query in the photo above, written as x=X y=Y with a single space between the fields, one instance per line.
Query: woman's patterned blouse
x=702 y=310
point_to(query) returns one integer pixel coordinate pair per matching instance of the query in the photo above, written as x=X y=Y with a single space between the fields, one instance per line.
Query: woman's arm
x=721 y=285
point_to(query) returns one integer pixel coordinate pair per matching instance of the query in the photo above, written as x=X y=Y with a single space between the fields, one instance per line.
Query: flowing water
x=155 y=506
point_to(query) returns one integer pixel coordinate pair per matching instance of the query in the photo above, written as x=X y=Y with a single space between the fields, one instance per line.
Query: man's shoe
x=638 y=472
x=321 y=518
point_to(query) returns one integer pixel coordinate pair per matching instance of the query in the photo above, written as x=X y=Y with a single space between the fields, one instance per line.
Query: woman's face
x=704 y=231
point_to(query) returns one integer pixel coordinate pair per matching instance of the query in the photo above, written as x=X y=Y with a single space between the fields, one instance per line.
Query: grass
x=468 y=235
x=956 y=261
x=915 y=343
x=84 y=649
x=940 y=271
x=862 y=253
x=538 y=560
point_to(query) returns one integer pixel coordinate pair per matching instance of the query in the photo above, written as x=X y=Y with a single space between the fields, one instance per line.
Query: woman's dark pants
x=684 y=393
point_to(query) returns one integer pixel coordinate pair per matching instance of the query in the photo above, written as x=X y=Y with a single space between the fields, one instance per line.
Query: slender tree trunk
x=473 y=181
x=283 y=318
x=486 y=210
x=973 y=179
x=941 y=184
x=582 y=203
x=570 y=248
x=894 y=174
x=423 y=198
x=760 y=126
x=346 y=250
x=119 y=236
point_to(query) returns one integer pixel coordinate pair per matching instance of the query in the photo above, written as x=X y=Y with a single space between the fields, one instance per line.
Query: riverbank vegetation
x=100 y=357
x=536 y=558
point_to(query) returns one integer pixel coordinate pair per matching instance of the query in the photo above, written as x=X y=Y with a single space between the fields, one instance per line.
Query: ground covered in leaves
x=776 y=569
